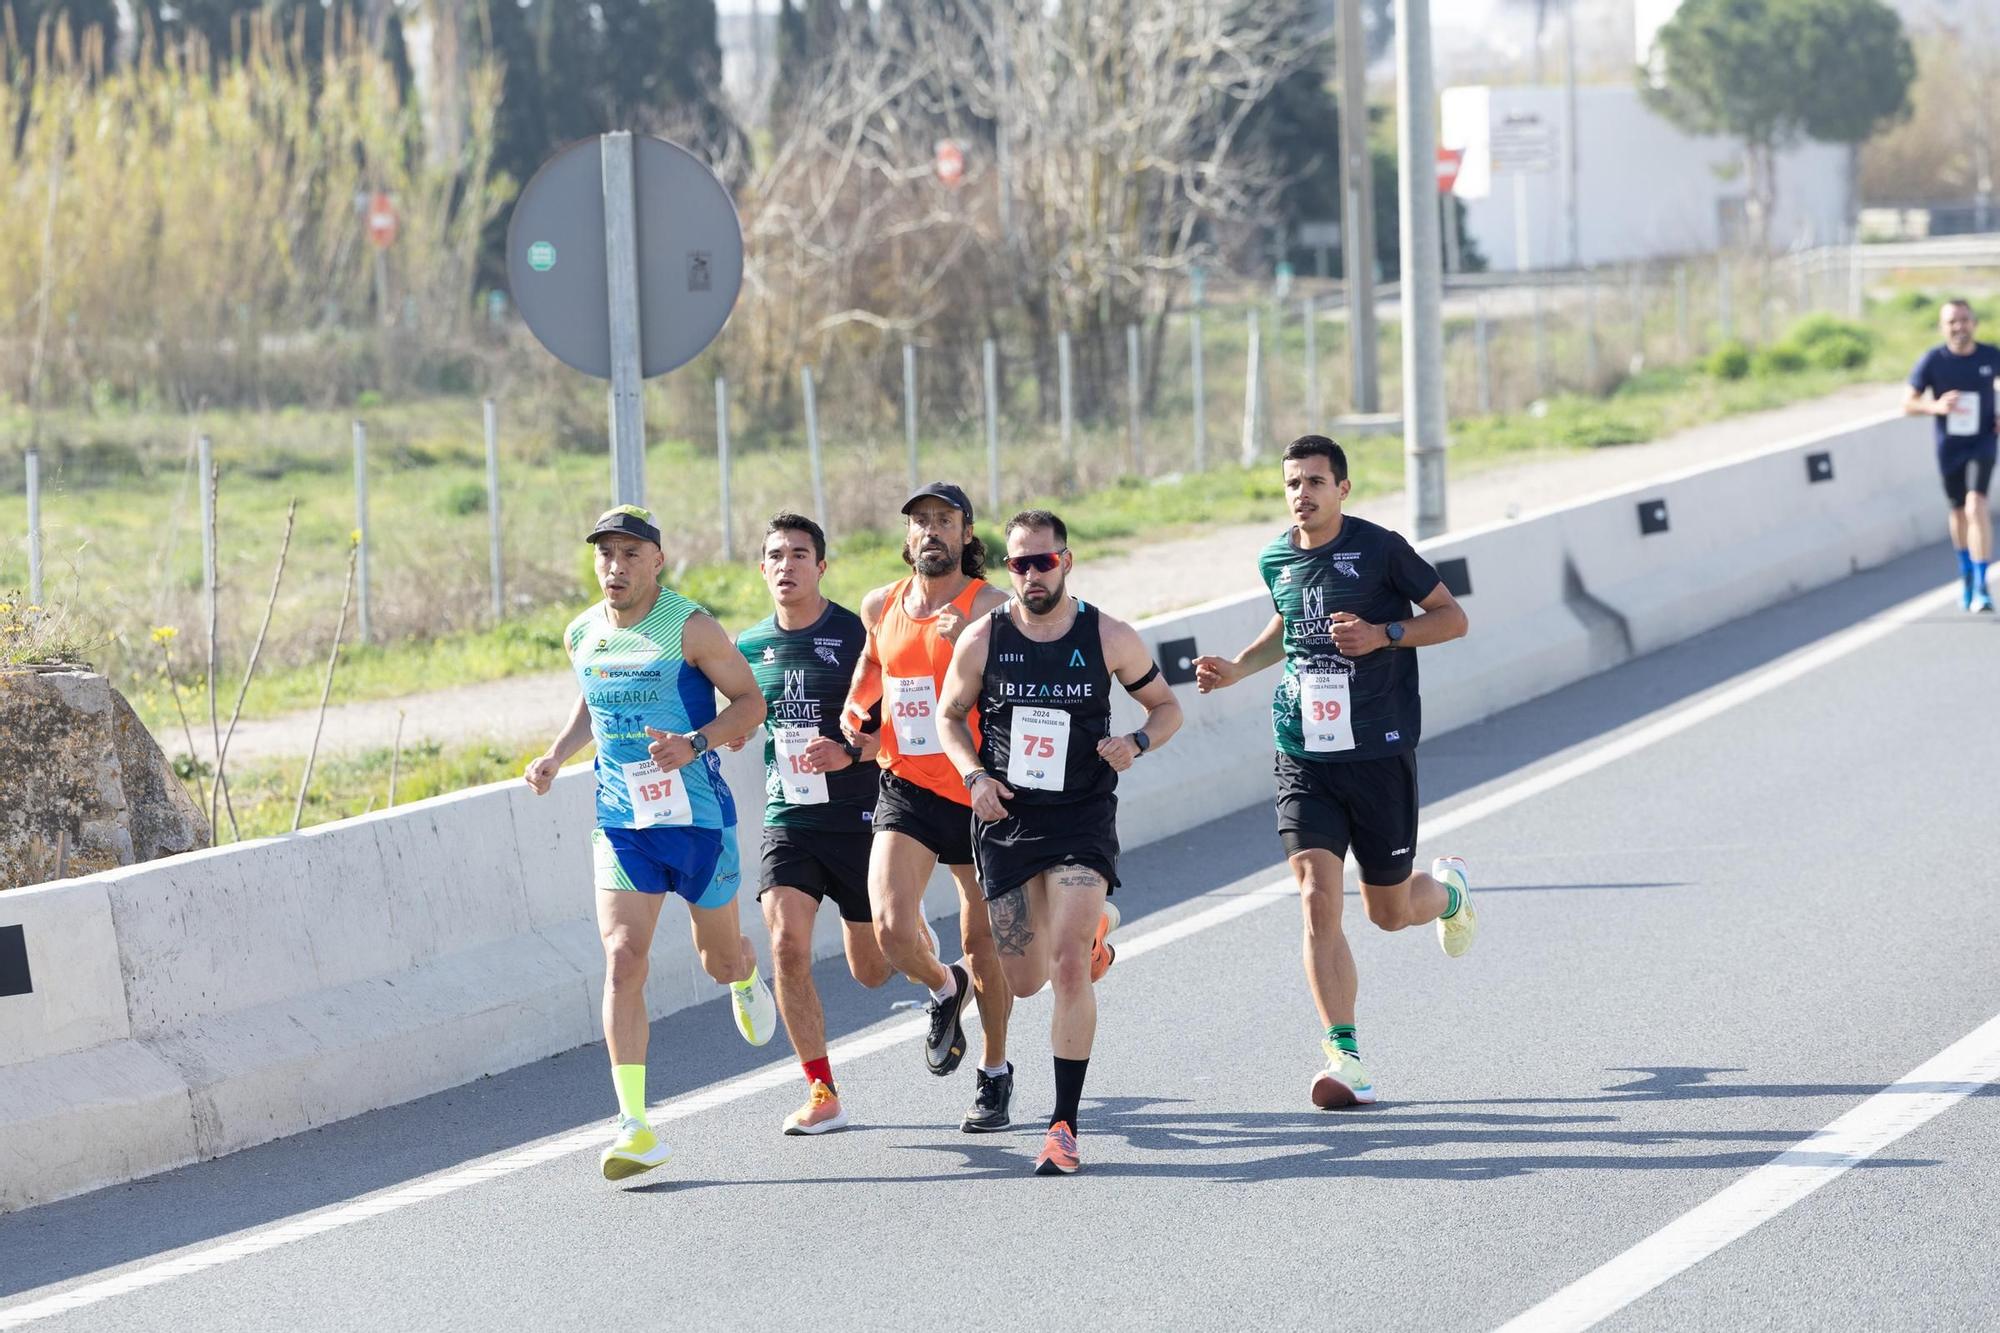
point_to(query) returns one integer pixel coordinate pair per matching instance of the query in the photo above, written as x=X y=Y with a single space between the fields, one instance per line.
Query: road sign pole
x=621 y=276
x=1065 y=403
x=1200 y=392
x=1313 y=421
x=492 y=414
x=1134 y=397
x=1252 y=373
x=1421 y=288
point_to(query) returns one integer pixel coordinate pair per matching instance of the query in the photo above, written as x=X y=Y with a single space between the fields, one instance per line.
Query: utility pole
x=1357 y=208
x=1422 y=284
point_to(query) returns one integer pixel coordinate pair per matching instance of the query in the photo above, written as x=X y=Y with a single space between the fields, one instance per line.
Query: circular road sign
x=382 y=220
x=690 y=248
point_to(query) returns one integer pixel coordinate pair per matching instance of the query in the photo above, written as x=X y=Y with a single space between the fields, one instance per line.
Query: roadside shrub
x=1831 y=343
x=1730 y=361
x=468 y=497
x=1777 y=359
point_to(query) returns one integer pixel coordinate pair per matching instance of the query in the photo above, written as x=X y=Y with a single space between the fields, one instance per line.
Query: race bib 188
x=789 y=744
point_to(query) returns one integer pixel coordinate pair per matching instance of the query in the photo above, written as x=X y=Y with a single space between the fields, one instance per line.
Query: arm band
x=1143 y=681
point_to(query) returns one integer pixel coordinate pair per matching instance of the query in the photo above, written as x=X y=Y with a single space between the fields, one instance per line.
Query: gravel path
x=1205 y=566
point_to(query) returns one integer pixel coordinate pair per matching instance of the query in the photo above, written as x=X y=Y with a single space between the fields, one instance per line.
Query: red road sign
x=381 y=221
x=1447 y=168
x=950 y=162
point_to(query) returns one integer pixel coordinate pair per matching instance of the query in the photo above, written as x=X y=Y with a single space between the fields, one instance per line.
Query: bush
x=1777 y=359
x=1832 y=344
x=1731 y=361
x=468 y=497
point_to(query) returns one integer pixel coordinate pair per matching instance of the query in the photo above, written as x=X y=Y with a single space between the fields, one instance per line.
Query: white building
x=1644 y=188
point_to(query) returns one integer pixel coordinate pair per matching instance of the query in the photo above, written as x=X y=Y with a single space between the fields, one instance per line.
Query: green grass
x=123 y=540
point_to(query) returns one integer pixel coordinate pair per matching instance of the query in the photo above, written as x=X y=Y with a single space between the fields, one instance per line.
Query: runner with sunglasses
x=1043 y=777
x=922 y=815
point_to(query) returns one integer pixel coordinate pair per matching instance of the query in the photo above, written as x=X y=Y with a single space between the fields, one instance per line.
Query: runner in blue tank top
x=648 y=664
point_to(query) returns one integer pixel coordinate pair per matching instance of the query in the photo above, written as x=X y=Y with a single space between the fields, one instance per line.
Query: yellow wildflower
x=164 y=633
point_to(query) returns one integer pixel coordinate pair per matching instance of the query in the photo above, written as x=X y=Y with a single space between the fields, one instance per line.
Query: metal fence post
x=361 y=526
x=1066 y=403
x=1541 y=343
x=722 y=467
x=812 y=445
x=1482 y=355
x=35 y=526
x=1200 y=392
x=1313 y=421
x=910 y=410
x=1855 y=302
x=1134 y=392
x=1724 y=306
x=1252 y=370
x=991 y=356
x=1682 y=343
x=1590 y=360
x=1637 y=289
x=491 y=413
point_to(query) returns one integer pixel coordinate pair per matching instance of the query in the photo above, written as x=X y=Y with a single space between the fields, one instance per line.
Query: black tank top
x=1065 y=676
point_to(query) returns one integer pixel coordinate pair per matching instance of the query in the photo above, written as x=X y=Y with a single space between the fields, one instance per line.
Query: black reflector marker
x=14 y=978
x=1456 y=575
x=1652 y=517
x=1819 y=467
x=1176 y=659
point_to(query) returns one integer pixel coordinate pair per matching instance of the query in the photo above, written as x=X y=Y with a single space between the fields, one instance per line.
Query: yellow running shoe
x=1344 y=1082
x=821 y=1114
x=756 y=1011
x=635 y=1150
x=1455 y=932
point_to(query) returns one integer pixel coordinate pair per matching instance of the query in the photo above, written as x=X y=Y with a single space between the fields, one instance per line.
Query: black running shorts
x=1367 y=804
x=917 y=812
x=1966 y=470
x=820 y=863
x=1035 y=839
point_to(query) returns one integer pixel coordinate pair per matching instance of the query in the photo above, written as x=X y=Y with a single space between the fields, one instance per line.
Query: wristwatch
x=1142 y=740
x=699 y=742
x=1394 y=629
x=851 y=751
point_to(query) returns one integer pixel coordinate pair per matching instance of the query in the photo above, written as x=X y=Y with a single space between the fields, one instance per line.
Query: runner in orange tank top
x=923 y=816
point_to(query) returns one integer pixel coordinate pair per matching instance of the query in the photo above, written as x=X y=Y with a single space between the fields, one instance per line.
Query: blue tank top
x=635 y=678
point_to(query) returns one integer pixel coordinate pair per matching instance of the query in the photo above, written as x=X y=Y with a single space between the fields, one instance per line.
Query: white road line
x=1913 y=1100
x=1670 y=723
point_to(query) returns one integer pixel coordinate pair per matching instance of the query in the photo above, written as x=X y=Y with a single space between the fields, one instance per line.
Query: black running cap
x=626 y=521
x=945 y=491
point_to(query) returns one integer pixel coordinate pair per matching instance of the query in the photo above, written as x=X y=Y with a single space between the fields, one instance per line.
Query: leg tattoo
x=1009 y=914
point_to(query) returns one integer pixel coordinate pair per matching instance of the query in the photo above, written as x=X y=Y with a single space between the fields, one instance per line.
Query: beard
x=934 y=562
x=1041 y=602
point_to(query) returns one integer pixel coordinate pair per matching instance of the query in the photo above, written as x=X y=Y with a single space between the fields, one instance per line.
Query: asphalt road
x=1693 y=958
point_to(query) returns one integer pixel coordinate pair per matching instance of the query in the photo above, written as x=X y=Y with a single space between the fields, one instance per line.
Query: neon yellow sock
x=748 y=981
x=630 y=1080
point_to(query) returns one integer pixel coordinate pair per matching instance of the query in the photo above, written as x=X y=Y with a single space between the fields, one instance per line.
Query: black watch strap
x=1142 y=740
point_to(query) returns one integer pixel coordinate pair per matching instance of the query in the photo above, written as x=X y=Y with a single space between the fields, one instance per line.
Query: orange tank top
x=914 y=657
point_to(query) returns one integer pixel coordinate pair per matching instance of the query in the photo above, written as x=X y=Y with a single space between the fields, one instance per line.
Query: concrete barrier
x=193 y=1006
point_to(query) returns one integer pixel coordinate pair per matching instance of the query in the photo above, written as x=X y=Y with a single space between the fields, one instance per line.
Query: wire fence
x=469 y=512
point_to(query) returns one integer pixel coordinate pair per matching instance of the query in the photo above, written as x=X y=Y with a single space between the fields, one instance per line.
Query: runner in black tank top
x=1043 y=779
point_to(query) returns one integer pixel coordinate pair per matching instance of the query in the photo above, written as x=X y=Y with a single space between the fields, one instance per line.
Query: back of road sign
x=690 y=256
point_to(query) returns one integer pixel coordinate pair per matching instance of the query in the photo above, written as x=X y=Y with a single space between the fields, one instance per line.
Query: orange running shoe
x=1102 y=953
x=821 y=1113
x=1058 y=1152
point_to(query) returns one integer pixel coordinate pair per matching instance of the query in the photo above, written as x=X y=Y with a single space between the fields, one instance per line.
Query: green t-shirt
x=1367 y=571
x=803 y=675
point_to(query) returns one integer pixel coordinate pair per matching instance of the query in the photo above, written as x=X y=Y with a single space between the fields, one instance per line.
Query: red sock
x=818 y=1069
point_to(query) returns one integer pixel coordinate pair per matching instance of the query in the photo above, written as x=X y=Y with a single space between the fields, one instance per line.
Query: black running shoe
x=990 y=1100
x=945 y=1046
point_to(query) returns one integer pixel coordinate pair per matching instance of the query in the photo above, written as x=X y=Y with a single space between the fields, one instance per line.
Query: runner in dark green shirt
x=819 y=796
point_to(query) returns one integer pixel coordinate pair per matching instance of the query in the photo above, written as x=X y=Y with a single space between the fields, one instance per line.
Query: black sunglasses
x=1040 y=564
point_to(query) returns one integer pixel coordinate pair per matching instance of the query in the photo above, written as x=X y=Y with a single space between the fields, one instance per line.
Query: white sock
x=949 y=989
x=996 y=1073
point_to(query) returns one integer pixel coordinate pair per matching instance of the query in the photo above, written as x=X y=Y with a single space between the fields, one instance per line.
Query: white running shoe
x=1455 y=932
x=635 y=1150
x=756 y=1011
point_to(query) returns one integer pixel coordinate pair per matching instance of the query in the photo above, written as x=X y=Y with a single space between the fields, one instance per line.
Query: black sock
x=1069 y=1090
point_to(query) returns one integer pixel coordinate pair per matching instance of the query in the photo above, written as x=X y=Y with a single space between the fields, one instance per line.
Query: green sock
x=748 y=981
x=1450 y=899
x=630 y=1080
x=1342 y=1035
